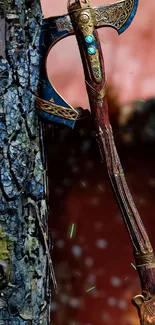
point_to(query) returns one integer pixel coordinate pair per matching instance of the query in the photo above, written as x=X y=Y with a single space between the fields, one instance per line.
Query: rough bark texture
x=24 y=271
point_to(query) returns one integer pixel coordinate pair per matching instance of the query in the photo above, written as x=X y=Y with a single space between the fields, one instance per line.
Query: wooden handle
x=93 y=65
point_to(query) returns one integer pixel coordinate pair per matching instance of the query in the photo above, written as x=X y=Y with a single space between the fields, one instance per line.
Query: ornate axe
x=83 y=21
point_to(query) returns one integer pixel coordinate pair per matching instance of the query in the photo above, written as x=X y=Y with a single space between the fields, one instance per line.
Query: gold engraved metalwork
x=78 y=5
x=84 y=18
x=51 y=108
x=114 y=15
x=96 y=66
x=85 y=21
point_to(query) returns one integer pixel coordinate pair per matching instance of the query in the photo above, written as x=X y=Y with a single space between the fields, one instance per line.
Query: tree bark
x=24 y=258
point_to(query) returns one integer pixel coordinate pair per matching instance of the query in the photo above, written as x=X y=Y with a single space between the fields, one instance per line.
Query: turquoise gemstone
x=89 y=39
x=91 y=50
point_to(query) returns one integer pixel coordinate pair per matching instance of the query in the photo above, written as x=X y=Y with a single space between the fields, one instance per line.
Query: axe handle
x=142 y=248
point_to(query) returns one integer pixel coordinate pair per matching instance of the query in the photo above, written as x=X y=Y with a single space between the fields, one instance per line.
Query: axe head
x=119 y=15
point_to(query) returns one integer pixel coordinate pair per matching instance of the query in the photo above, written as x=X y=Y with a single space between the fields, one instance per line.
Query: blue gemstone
x=91 y=50
x=89 y=39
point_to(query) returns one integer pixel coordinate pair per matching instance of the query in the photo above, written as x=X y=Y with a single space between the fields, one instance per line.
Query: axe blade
x=50 y=105
x=118 y=15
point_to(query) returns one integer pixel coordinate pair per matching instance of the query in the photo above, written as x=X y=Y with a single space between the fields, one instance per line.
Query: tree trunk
x=24 y=258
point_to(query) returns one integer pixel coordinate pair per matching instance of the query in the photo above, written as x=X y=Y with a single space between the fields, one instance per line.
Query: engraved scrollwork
x=114 y=15
x=51 y=108
x=85 y=21
x=96 y=66
x=84 y=18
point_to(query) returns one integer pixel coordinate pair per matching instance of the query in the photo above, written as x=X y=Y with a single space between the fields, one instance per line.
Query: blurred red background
x=98 y=254
x=93 y=268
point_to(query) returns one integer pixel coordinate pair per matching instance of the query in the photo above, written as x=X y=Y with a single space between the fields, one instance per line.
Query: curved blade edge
x=130 y=18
